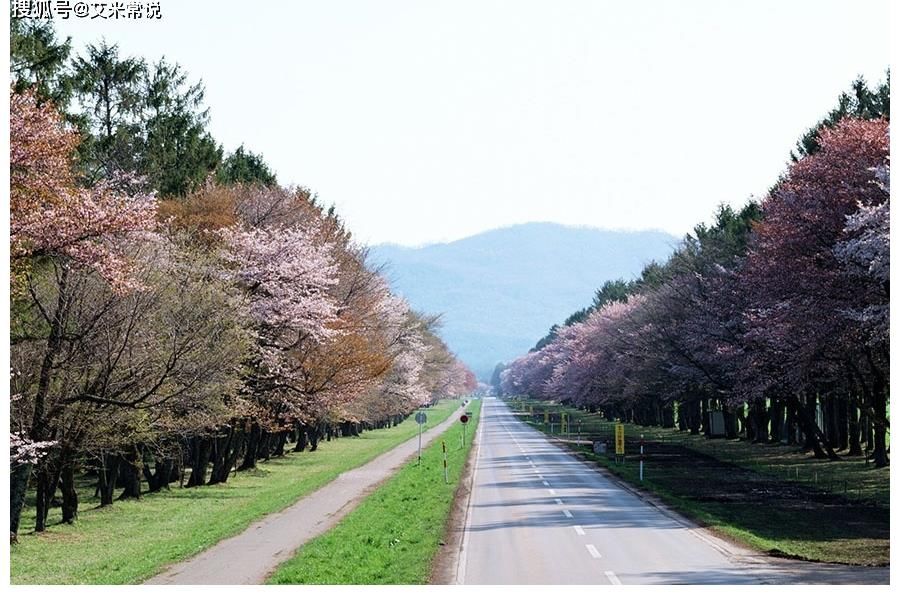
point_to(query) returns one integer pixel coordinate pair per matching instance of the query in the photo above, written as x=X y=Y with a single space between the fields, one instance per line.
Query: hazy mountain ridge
x=499 y=291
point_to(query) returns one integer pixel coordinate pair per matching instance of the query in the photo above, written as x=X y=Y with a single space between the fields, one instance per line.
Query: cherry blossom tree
x=51 y=215
x=802 y=328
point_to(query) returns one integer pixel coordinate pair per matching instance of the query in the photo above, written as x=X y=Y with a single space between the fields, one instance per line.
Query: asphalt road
x=538 y=515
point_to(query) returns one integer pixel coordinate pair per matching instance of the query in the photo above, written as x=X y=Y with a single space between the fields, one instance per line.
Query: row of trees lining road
x=175 y=319
x=776 y=315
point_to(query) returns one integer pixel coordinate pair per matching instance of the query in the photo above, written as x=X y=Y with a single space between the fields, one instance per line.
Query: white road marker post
x=642 y=458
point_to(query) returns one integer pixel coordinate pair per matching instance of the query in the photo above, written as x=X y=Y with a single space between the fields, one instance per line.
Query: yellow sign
x=620 y=440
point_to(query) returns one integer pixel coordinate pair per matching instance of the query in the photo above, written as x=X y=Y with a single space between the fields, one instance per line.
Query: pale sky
x=430 y=121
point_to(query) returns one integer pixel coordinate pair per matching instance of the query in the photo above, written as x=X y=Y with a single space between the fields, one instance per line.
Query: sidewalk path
x=250 y=556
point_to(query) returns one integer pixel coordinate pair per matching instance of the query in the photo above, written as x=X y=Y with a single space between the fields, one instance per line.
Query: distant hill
x=501 y=290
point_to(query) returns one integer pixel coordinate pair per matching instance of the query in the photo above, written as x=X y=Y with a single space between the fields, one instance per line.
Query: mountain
x=501 y=290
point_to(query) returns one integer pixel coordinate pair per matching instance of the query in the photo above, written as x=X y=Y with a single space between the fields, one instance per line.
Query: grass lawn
x=771 y=497
x=393 y=536
x=131 y=541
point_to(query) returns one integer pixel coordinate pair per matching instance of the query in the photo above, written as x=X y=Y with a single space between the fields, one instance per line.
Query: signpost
x=620 y=442
x=421 y=419
x=444 y=447
x=465 y=420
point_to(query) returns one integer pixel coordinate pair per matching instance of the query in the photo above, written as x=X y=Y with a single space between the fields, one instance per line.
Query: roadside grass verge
x=131 y=541
x=770 y=497
x=394 y=534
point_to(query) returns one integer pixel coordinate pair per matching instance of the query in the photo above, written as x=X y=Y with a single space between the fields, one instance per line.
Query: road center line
x=578 y=530
x=612 y=578
x=594 y=553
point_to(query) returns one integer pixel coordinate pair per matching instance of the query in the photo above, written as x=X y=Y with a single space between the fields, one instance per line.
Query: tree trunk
x=67 y=486
x=221 y=457
x=163 y=473
x=131 y=473
x=47 y=480
x=693 y=414
x=832 y=430
x=815 y=438
x=314 y=436
x=760 y=421
x=109 y=475
x=280 y=442
x=265 y=449
x=302 y=439
x=252 y=448
x=668 y=416
x=843 y=420
x=199 y=461
x=42 y=499
x=18 y=486
x=879 y=407
x=730 y=420
x=776 y=418
x=791 y=403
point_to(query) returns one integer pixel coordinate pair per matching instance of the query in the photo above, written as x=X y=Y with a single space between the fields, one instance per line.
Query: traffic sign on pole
x=421 y=419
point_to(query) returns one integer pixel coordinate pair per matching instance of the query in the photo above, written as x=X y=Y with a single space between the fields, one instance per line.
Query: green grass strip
x=131 y=541
x=394 y=534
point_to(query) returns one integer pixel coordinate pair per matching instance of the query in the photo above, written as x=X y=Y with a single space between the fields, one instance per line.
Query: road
x=538 y=515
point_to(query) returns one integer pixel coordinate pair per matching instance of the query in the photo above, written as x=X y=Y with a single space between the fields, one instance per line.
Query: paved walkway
x=249 y=557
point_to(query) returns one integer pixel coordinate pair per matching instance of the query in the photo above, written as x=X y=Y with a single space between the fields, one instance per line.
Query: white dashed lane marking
x=578 y=530
x=567 y=513
x=593 y=550
x=612 y=578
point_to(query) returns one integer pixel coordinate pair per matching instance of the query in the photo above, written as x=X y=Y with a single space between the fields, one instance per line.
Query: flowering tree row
x=185 y=339
x=772 y=315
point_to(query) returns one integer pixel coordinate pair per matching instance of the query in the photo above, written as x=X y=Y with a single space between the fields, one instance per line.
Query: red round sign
x=464 y=418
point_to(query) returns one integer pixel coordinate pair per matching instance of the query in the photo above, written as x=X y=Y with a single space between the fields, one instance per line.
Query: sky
x=431 y=121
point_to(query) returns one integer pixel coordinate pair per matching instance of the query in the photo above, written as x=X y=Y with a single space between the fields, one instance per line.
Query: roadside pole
x=642 y=459
x=444 y=447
